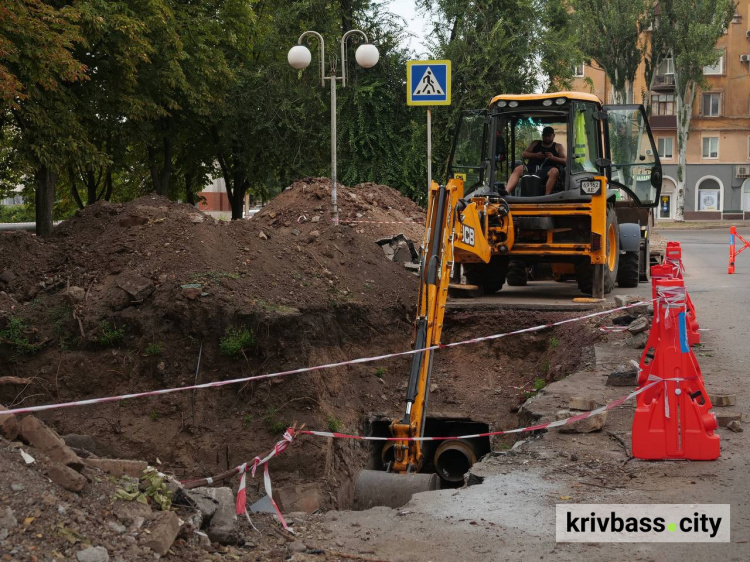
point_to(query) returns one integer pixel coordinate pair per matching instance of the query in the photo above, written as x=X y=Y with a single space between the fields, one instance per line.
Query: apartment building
x=718 y=148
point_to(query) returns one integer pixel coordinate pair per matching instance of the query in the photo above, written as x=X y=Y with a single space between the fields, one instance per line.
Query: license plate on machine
x=591 y=187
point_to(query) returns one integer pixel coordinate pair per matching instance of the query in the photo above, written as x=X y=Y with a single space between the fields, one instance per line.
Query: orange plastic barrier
x=673 y=418
x=733 y=252
x=673 y=268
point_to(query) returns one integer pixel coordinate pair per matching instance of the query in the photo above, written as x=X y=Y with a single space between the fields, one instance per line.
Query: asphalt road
x=511 y=515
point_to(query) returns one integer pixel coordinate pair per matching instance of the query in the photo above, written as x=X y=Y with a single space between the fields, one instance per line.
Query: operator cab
x=611 y=141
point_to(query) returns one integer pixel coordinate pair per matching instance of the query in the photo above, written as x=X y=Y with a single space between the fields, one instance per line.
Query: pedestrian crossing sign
x=428 y=82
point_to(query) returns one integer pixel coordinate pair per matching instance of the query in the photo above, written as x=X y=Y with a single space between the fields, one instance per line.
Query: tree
x=611 y=32
x=688 y=30
x=36 y=41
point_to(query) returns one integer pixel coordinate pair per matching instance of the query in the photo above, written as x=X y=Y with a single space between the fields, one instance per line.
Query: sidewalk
x=699 y=225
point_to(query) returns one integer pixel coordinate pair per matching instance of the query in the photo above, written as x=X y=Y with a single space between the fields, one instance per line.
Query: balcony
x=662 y=122
x=664 y=82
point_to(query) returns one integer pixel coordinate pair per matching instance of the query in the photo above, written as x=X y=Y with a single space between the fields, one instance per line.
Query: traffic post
x=733 y=252
x=428 y=82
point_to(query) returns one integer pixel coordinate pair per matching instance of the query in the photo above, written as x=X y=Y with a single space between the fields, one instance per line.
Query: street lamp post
x=299 y=57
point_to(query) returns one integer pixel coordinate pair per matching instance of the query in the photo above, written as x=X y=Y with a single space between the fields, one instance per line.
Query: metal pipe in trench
x=453 y=459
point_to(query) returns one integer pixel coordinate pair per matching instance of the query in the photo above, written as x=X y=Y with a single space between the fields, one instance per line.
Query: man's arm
x=529 y=153
x=561 y=159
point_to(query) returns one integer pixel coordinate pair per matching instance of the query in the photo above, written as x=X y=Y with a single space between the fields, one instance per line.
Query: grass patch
x=274 y=425
x=14 y=335
x=214 y=276
x=334 y=424
x=236 y=341
x=153 y=349
x=553 y=343
x=380 y=372
x=109 y=334
x=539 y=384
x=247 y=419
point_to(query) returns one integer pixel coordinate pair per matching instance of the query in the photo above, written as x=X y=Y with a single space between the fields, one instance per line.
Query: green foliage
x=611 y=32
x=154 y=416
x=334 y=424
x=274 y=425
x=153 y=349
x=236 y=341
x=554 y=343
x=109 y=334
x=152 y=488
x=17 y=213
x=62 y=317
x=539 y=384
x=14 y=335
x=247 y=419
x=380 y=372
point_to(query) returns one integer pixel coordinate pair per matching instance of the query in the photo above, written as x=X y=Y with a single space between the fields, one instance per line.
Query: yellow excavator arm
x=450 y=222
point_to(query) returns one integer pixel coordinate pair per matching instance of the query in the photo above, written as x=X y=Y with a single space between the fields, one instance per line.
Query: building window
x=711 y=105
x=662 y=104
x=578 y=70
x=710 y=147
x=666 y=67
x=715 y=69
x=666 y=148
x=709 y=195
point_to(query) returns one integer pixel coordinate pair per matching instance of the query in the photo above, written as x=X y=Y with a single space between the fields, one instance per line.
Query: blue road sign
x=428 y=82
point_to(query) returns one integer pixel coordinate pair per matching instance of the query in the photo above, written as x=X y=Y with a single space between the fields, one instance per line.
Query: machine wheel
x=585 y=271
x=645 y=271
x=517 y=275
x=628 y=273
x=489 y=276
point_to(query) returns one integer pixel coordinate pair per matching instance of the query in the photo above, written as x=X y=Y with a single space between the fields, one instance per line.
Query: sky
x=416 y=24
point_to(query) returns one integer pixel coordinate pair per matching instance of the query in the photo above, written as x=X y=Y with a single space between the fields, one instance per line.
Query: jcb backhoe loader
x=611 y=168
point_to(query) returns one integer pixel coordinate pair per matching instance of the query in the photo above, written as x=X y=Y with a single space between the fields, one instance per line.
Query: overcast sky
x=415 y=24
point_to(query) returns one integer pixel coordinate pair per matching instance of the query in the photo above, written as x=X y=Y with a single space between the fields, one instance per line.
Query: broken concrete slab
x=66 y=477
x=725 y=419
x=93 y=554
x=735 y=426
x=639 y=325
x=38 y=435
x=723 y=400
x=582 y=404
x=624 y=375
x=119 y=467
x=202 y=501
x=223 y=526
x=162 y=532
x=586 y=425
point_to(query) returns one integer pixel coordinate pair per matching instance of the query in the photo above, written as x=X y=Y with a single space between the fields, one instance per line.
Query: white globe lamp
x=367 y=55
x=299 y=57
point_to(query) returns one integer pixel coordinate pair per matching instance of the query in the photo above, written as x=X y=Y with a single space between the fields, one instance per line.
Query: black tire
x=517 y=275
x=645 y=272
x=584 y=268
x=628 y=273
x=489 y=276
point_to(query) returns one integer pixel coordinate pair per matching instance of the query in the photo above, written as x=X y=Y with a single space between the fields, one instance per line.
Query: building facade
x=718 y=148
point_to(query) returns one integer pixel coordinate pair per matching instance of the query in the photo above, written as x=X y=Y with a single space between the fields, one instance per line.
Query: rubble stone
x=223 y=527
x=136 y=286
x=7 y=518
x=722 y=400
x=639 y=325
x=624 y=375
x=74 y=295
x=93 y=554
x=203 y=501
x=38 y=435
x=725 y=419
x=637 y=341
x=163 y=532
x=66 y=477
x=8 y=425
x=735 y=426
x=586 y=425
x=582 y=404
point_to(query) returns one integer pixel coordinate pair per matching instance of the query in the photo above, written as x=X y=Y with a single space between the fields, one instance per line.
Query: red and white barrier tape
x=557 y=423
x=243 y=469
x=217 y=384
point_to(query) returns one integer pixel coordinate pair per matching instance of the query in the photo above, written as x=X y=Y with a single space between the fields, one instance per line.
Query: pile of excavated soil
x=140 y=296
